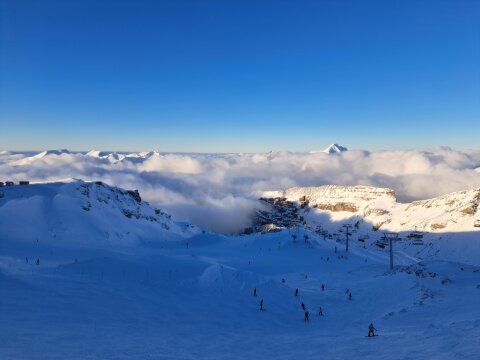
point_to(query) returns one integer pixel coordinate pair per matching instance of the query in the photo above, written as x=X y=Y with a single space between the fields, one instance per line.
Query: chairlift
x=417 y=241
x=380 y=244
x=415 y=235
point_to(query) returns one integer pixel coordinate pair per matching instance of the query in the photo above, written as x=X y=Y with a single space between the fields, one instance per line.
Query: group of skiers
x=306 y=318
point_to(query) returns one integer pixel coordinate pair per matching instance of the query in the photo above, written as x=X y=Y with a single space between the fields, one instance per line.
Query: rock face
x=377 y=207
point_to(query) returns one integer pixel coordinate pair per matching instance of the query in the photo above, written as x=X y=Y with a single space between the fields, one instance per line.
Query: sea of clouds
x=219 y=191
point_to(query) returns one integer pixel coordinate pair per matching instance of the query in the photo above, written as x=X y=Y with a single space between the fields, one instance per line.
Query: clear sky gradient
x=222 y=76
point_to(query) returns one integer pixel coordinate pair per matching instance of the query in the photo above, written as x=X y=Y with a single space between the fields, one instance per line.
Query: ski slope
x=186 y=294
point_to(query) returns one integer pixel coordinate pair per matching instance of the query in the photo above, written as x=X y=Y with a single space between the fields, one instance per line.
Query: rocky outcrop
x=376 y=206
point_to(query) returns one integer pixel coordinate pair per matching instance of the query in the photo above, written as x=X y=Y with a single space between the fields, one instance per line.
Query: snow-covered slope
x=87 y=271
x=446 y=224
x=74 y=213
x=452 y=212
x=196 y=302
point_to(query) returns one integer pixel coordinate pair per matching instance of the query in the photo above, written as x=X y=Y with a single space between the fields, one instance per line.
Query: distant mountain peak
x=334 y=149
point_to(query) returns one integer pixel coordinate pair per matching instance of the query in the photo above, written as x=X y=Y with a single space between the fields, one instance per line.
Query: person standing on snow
x=371 y=330
x=296 y=292
x=303 y=306
x=320 y=312
x=306 y=318
x=261 y=304
x=350 y=296
x=254 y=291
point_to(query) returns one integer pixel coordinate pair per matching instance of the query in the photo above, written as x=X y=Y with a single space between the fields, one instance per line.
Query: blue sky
x=221 y=76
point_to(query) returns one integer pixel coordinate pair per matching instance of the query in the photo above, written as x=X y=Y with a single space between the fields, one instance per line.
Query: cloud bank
x=219 y=191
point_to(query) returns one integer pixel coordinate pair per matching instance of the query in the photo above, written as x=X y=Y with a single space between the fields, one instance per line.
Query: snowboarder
x=306 y=318
x=323 y=287
x=371 y=330
x=320 y=311
x=350 y=296
x=261 y=304
x=303 y=306
x=296 y=292
x=254 y=291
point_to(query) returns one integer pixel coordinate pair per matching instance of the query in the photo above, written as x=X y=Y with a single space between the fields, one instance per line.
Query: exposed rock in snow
x=78 y=212
x=452 y=212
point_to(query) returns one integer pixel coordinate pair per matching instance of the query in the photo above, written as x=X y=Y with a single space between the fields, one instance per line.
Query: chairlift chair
x=417 y=242
x=380 y=244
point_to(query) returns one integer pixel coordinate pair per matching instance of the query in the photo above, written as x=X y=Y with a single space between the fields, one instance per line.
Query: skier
x=303 y=306
x=261 y=304
x=283 y=280
x=306 y=317
x=296 y=292
x=320 y=311
x=371 y=328
x=26 y=259
x=323 y=287
x=350 y=296
x=254 y=291
x=38 y=261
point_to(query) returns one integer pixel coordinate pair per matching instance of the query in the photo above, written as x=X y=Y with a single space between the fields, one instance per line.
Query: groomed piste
x=124 y=280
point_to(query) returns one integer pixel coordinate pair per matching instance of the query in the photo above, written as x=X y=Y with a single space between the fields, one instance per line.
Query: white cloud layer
x=219 y=191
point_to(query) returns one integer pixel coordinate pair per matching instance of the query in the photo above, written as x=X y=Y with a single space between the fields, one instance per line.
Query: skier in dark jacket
x=323 y=287
x=320 y=311
x=371 y=330
x=350 y=296
x=296 y=292
x=254 y=291
x=303 y=306
x=306 y=318
x=261 y=304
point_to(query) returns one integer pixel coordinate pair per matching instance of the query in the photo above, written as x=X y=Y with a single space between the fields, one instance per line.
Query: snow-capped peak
x=334 y=149
x=96 y=153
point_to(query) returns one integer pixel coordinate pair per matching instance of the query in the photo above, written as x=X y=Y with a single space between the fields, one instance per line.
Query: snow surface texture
x=119 y=279
x=218 y=191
